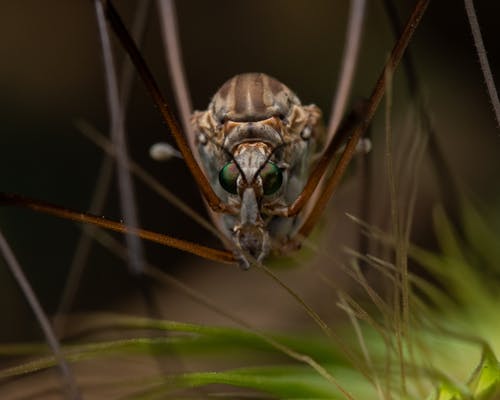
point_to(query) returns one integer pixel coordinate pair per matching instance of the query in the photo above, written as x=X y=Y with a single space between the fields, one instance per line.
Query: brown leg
x=321 y=167
x=209 y=253
x=360 y=128
x=128 y=44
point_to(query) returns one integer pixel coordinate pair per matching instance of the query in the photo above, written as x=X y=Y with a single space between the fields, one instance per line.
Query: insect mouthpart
x=253 y=241
x=251 y=237
x=252 y=177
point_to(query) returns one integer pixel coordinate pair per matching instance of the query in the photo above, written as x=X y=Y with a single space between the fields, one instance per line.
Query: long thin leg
x=136 y=257
x=322 y=165
x=99 y=140
x=173 y=55
x=83 y=247
x=209 y=253
x=117 y=130
x=116 y=23
x=103 y=181
x=372 y=105
x=16 y=270
x=483 y=57
x=350 y=60
x=335 y=137
x=140 y=173
x=361 y=126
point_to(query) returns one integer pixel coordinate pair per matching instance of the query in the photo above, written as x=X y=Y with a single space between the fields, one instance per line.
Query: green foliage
x=449 y=350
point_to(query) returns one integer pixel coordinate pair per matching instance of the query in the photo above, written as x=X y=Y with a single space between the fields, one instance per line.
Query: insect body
x=256 y=142
x=266 y=169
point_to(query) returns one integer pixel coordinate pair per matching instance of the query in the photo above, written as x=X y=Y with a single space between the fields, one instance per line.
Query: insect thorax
x=254 y=126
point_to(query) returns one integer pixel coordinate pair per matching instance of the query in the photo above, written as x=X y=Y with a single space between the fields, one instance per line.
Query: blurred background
x=51 y=75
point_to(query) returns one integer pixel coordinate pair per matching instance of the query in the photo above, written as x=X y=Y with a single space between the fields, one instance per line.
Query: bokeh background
x=51 y=76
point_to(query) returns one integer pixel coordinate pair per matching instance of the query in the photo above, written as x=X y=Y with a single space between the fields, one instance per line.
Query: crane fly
x=264 y=162
x=264 y=158
x=256 y=142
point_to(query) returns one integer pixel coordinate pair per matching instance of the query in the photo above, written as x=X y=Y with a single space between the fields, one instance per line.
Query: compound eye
x=228 y=177
x=272 y=178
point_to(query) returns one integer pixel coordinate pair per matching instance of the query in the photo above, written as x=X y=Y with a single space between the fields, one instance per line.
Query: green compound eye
x=228 y=176
x=272 y=178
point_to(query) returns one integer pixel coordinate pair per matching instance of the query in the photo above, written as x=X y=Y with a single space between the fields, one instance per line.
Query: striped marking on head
x=252 y=97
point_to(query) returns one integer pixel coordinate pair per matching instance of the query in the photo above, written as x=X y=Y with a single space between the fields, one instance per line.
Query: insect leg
x=61 y=212
x=16 y=270
x=362 y=125
x=350 y=59
x=117 y=129
x=483 y=57
x=116 y=23
x=168 y=21
x=103 y=182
